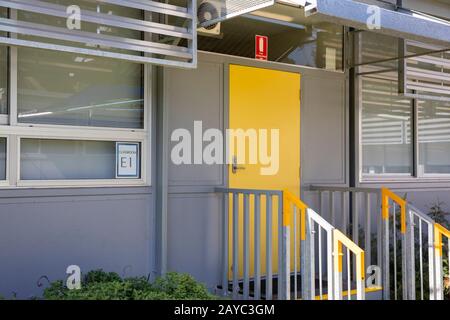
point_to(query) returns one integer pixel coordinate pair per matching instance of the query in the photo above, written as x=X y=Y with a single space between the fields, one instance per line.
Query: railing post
x=385 y=252
x=286 y=276
x=225 y=244
x=360 y=276
x=257 y=263
x=285 y=267
x=380 y=222
x=246 y=284
x=405 y=269
x=368 y=232
x=269 y=271
x=410 y=257
x=280 y=250
x=235 y=290
x=306 y=257
x=338 y=267
x=330 y=265
x=439 y=294
x=431 y=262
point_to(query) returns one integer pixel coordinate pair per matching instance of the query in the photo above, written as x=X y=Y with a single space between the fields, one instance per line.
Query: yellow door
x=263 y=99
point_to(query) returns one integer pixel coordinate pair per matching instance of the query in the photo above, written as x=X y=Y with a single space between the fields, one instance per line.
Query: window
x=434 y=137
x=387 y=132
x=70 y=89
x=386 y=129
x=399 y=136
x=67 y=113
x=50 y=159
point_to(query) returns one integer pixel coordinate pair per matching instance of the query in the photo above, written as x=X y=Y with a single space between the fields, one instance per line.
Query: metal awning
x=401 y=23
x=176 y=22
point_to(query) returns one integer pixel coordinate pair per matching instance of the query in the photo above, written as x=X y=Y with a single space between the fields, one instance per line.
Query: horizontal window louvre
x=426 y=72
x=171 y=43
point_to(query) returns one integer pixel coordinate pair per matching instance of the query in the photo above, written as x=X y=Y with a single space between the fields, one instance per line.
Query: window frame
x=4 y=183
x=14 y=130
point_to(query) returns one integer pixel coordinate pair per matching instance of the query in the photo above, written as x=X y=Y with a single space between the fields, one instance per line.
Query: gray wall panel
x=323 y=129
x=42 y=236
x=195 y=95
x=194 y=237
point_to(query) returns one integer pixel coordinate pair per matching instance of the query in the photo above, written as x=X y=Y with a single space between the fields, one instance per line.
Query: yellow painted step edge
x=353 y=292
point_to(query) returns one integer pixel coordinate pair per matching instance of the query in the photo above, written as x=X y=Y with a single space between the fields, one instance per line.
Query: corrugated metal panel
x=179 y=23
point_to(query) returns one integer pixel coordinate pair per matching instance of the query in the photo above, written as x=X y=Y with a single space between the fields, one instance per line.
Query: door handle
x=235 y=167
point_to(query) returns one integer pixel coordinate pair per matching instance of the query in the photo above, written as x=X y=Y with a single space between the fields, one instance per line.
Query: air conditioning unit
x=209 y=10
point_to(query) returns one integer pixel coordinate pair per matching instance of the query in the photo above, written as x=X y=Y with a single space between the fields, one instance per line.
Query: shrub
x=100 y=285
x=181 y=287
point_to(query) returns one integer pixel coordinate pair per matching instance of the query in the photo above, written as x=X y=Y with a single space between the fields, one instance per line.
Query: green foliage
x=438 y=214
x=101 y=276
x=100 y=285
x=181 y=287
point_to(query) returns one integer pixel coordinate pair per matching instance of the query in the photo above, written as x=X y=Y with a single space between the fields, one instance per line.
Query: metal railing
x=394 y=221
x=316 y=245
x=341 y=241
x=264 y=207
x=294 y=225
x=409 y=244
x=355 y=212
x=306 y=263
x=420 y=249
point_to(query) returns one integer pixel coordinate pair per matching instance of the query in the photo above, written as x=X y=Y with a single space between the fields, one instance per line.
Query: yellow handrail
x=290 y=199
x=440 y=231
x=387 y=194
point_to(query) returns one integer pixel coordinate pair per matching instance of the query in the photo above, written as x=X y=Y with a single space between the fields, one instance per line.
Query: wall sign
x=261 y=47
x=127 y=160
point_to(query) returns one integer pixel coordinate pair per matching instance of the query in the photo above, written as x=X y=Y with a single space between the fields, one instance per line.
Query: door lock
x=235 y=167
